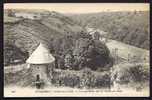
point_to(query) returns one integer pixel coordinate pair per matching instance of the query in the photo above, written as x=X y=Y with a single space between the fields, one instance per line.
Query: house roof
x=41 y=55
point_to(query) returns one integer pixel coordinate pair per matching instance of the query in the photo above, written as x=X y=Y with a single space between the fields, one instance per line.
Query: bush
x=103 y=80
x=65 y=78
x=127 y=73
x=70 y=80
x=139 y=73
x=12 y=53
x=84 y=78
x=90 y=53
x=87 y=78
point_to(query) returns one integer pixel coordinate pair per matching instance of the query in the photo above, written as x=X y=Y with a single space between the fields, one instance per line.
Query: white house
x=28 y=15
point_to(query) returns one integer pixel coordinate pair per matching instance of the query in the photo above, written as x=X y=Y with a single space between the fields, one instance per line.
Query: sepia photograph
x=76 y=49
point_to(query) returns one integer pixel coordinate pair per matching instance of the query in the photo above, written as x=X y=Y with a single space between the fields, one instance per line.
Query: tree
x=12 y=53
x=90 y=53
x=79 y=51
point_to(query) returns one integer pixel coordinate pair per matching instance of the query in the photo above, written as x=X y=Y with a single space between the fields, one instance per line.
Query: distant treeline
x=129 y=27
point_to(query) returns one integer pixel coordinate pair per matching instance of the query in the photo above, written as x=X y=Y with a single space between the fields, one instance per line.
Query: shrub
x=126 y=73
x=65 y=78
x=87 y=78
x=84 y=78
x=103 y=80
x=139 y=73
x=12 y=53
x=71 y=80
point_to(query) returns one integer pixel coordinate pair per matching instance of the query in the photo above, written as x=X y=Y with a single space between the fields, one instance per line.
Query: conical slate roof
x=40 y=56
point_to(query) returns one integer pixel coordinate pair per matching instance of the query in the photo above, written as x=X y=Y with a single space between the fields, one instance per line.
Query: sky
x=80 y=7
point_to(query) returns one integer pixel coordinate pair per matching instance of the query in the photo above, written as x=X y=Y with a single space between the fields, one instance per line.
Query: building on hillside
x=99 y=35
x=28 y=15
x=41 y=63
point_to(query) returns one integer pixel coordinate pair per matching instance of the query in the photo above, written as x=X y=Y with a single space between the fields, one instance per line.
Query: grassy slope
x=26 y=33
x=125 y=49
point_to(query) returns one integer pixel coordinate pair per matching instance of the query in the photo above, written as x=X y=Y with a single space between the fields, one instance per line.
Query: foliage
x=90 y=53
x=130 y=73
x=80 y=50
x=85 y=78
x=128 y=27
x=20 y=78
x=139 y=73
x=72 y=47
x=12 y=53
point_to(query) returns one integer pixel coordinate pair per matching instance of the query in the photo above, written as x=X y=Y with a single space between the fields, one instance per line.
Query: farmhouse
x=98 y=34
x=41 y=63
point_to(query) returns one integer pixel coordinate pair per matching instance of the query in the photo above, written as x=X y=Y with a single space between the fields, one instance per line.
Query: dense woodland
x=129 y=27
